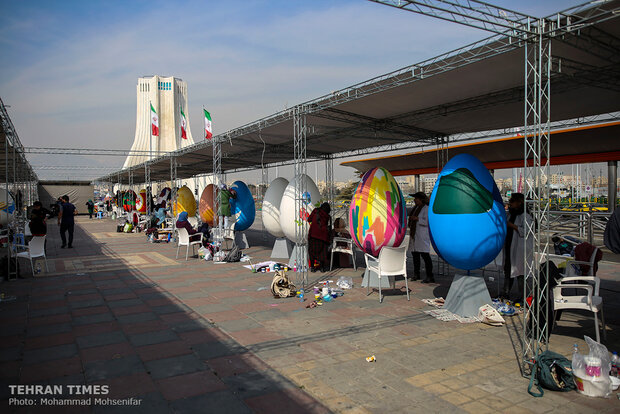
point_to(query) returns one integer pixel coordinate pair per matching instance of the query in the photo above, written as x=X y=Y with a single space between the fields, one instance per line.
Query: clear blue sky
x=69 y=68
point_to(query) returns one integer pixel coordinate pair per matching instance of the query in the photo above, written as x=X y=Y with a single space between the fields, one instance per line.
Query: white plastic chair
x=36 y=248
x=184 y=241
x=590 y=301
x=345 y=246
x=588 y=284
x=392 y=261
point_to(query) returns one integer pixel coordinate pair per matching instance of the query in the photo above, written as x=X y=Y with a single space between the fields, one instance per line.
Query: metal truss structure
x=301 y=197
x=329 y=180
x=217 y=180
x=18 y=178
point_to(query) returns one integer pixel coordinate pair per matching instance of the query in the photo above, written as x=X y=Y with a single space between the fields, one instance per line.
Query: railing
x=582 y=224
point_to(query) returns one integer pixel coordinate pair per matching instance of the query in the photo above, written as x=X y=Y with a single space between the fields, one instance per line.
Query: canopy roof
x=477 y=88
x=592 y=143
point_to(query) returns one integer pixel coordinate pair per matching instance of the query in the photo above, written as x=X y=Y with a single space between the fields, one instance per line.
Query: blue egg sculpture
x=466 y=215
x=243 y=206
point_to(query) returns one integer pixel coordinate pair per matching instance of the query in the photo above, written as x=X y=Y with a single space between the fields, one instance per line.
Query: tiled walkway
x=202 y=337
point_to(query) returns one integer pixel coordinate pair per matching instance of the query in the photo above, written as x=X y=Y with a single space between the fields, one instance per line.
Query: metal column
x=329 y=179
x=612 y=185
x=535 y=333
x=301 y=229
x=217 y=180
x=173 y=183
x=147 y=184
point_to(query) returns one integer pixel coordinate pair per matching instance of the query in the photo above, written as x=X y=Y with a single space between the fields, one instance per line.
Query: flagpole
x=151 y=134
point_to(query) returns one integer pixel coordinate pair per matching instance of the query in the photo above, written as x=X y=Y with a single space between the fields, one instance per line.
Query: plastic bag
x=345 y=282
x=591 y=371
x=489 y=315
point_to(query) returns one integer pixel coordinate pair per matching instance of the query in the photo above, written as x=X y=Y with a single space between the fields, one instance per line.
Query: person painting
x=91 y=208
x=514 y=247
x=183 y=223
x=66 y=221
x=224 y=210
x=318 y=237
x=419 y=237
x=160 y=214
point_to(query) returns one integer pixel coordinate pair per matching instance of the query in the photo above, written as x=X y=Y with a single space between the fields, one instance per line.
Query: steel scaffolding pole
x=329 y=180
x=301 y=200
x=217 y=180
x=537 y=114
x=173 y=183
x=149 y=190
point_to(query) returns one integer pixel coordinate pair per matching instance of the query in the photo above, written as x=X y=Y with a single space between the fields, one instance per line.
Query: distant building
x=168 y=96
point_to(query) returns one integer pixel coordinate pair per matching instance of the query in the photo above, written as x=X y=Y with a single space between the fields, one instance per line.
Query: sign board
x=508 y=193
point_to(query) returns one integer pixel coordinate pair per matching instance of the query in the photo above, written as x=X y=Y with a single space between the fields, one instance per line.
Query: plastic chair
x=36 y=248
x=346 y=247
x=392 y=261
x=184 y=240
x=591 y=301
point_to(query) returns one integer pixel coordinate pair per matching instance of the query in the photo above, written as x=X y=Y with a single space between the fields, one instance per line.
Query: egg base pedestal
x=466 y=295
x=241 y=241
x=282 y=248
x=299 y=257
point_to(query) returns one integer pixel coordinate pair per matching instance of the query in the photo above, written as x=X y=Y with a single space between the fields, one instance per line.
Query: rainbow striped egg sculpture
x=378 y=214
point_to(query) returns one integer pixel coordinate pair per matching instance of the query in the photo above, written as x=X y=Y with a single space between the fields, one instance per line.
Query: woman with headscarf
x=183 y=223
x=160 y=214
x=514 y=247
x=419 y=237
x=318 y=237
x=91 y=208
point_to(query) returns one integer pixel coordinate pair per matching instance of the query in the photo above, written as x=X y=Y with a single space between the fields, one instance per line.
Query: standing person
x=224 y=208
x=91 y=208
x=318 y=237
x=419 y=237
x=514 y=247
x=66 y=221
x=38 y=214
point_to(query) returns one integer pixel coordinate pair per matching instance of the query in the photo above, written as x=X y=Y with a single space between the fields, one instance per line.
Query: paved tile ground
x=194 y=336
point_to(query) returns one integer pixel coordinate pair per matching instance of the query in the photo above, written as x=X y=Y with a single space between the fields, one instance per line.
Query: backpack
x=553 y=372
x=234 y=255
x=281 y=287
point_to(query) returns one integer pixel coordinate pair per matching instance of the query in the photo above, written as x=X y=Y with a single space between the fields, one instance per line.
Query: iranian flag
x=183 y=125
x=154 y=122
x=208 y=130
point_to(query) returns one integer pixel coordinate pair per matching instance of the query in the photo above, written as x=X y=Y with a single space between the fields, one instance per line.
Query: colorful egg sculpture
x=466 y=215
x=185 y=202
x=141 y=201
x=129 y=200
x=378 y=213
x=205 y=207
x=7 y=206
x=243 y=206
x=290 y=218
x=271 y=206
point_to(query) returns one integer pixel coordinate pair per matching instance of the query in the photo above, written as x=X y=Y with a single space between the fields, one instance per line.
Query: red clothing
x=319 y=224
x=583 y=253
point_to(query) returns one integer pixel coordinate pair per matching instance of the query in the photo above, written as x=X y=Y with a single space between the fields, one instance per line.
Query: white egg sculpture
x=7 y=206
x=271 y=206
x=290 y=219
